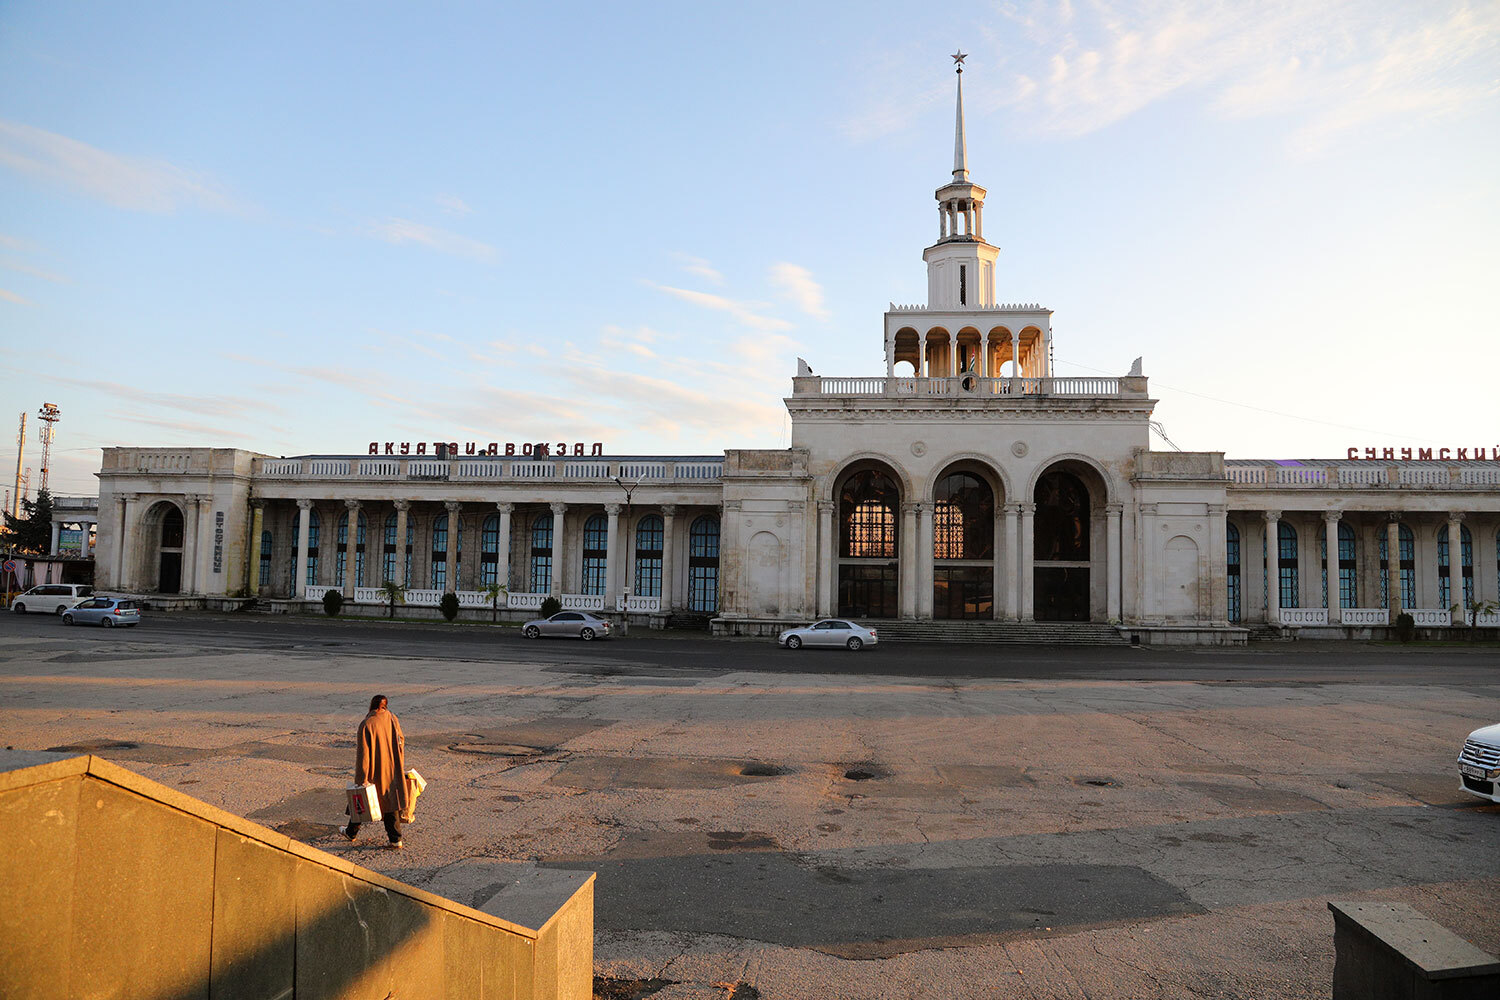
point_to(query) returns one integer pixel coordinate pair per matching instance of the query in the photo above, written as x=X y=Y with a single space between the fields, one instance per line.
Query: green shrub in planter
x=449 y=605
x=1406 y=627
x=550 y=606
x=333 y=602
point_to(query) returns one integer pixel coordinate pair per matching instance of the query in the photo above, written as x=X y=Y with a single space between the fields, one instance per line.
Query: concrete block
x=348 y=934
x=1390 y=951
x=255 y=920
x=143 y=898
x=36 y=868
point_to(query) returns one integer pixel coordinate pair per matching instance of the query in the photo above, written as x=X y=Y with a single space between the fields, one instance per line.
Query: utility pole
x=15 y=502
x=50 y=415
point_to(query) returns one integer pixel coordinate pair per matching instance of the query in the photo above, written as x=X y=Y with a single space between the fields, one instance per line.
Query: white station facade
x=967 y=483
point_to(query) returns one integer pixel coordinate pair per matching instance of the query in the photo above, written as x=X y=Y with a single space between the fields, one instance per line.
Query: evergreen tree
x=31 y=532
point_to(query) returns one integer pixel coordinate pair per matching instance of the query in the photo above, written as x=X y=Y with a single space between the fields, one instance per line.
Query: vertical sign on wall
x=218 y=541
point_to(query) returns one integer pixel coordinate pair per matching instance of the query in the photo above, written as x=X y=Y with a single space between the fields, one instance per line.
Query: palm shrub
x=449 y=605
x=394 y=594
x=333 y=602
x=493 y=592
x=550 y=606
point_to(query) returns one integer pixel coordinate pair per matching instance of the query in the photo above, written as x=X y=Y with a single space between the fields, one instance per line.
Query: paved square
x=906 y=822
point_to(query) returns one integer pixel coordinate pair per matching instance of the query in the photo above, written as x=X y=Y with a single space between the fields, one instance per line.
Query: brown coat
x=380 y=759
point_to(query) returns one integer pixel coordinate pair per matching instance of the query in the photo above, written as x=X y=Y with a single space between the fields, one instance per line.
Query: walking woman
x=380 y=760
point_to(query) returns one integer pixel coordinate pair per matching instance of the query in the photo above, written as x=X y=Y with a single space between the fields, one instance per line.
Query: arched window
x=1407 y=556
x=1348 y=583
x=703 y=564
x=963 y=529
x=359 y=551
x=1466 y=567
x=266 y=543
x=1232 y=569
x=648 y=550
x=312 y=547
x=439 y=575
x=595 y=553
x=388 y=558
x=867 y=516
x=1286 y=560
x=489 y=551
x=1062 y=519
x=541 y=554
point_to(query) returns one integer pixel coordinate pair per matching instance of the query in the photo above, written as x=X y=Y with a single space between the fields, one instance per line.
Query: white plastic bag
x=364 y=804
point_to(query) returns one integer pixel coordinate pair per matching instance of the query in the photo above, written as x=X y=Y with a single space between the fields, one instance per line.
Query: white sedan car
x=829 y=632
x=1479 y=763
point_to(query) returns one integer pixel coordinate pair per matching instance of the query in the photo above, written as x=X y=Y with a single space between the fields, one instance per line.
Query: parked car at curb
x=1479 y=763
x=829 y=632
x=577 y=624
x=105 y=611
x=51 y=598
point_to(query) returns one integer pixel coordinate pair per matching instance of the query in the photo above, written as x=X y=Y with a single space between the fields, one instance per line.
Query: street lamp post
x=629 y=491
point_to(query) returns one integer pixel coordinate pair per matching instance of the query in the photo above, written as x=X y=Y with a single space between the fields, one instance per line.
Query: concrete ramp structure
x=119 y=887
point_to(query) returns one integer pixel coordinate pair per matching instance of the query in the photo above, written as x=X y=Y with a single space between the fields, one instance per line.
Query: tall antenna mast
x=50 y=415
x=15 y=500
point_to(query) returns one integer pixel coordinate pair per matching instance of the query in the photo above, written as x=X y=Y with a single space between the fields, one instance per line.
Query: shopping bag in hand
x=364 y=804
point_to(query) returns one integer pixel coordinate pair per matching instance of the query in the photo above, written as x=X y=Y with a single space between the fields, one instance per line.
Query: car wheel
x=61 y=608
x=586 y=634
x=793 y=642
x=855 y=644
x=532 y=632
x=67 y=619
x=107 y=623
x=20 y=609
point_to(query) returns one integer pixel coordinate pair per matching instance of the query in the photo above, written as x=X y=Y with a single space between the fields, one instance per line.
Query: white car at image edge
x=1479 y=763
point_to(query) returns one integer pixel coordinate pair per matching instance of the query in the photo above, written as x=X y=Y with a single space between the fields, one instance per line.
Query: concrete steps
x=1014 y=633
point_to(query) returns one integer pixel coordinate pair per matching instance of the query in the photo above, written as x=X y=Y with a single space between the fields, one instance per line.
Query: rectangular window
x=963 y=285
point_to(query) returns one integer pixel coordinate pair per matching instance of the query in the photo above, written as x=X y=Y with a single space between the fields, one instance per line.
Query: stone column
x=827 y=560
x=1026 y=549
x=257 y=525
x=997 y=575
x=126 y=541
x=668 y=518
x=450 y=557
x=502 y=555
x=403 y=512
x=190 y=519
x=1331 y=564
x=1218 y=575
x=1456 y=566
x=907 y=554
x=304 y=525
x=984 y=354
x=979 y=219
x=56 y=528
x=1112 y=547
x=924 y=559
x=1273 y=567
x=1009 y=562
x=351 y=548
x=559 y=517
x=1393 y=565
x=611 y=562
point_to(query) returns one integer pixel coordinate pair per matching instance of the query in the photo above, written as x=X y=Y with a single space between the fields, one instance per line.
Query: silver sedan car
x=106 y=611
x=578 y=624
x=829 y=632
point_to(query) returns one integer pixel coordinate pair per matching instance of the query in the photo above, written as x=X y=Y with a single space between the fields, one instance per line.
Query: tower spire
x=960 y=147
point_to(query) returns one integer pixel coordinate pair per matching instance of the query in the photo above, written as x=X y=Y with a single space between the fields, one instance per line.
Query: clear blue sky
x=298 y=228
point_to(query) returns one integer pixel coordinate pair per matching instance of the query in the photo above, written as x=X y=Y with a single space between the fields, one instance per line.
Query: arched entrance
x=869 y=501
x=963 y=546
x=1067 y=497
x=164 y=522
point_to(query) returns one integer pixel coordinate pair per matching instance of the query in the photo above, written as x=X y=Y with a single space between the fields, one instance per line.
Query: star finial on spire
x=958 y=60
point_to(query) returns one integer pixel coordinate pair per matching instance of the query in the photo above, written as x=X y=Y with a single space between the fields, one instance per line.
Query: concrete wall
x=119 y=887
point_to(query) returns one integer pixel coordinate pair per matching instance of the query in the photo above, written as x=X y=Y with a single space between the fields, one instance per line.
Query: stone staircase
x=1261 y=632
x=696 y=621
x=1014 y=633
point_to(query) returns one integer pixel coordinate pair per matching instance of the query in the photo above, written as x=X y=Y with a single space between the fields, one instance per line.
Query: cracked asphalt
x=910 y=821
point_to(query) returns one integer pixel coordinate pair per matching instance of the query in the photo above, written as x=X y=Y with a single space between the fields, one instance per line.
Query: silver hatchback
x=577 y=624
x=105 y=611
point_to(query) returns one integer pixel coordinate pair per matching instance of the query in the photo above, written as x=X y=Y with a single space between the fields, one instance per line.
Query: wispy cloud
x=134 y=183
x=796 y=283
x=401 y=231
x=453 y=204
x=746 y=313
x=13 y=297
x=1328 y=67
x=34 y=272
x=700 y=267
x=208 y=406
x=634 y=341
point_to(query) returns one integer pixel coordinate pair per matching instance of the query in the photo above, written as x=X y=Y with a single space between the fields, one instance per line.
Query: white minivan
x=51 y=598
